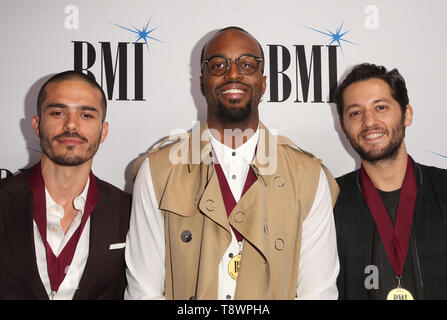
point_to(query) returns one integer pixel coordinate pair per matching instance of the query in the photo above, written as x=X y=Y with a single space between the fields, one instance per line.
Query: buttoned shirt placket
x=235 y=164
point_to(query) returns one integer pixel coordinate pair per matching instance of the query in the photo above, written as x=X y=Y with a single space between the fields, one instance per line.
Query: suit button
x=186 y=236
x=239 y=217
x=210 y=205
x=279 y=181
x=279 y=244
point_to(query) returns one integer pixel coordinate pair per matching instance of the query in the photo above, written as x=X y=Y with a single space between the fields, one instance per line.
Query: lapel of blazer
x=20 y=232
x=97 y=249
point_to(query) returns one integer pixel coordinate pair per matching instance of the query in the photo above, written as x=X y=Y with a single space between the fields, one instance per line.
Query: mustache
x=69 y=134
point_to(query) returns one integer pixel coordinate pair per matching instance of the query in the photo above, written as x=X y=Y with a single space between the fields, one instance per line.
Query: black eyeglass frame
x=228 y=60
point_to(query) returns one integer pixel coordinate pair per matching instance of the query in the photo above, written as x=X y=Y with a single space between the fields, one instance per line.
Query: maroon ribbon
x=395 y=239
x=57 y=266
x=227 y=195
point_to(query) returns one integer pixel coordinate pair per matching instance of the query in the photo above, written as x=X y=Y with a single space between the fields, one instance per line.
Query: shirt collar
x=78 y=202
x=246 y=150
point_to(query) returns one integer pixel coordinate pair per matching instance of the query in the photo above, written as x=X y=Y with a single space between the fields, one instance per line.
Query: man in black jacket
x=63 y=230
x=391 y=214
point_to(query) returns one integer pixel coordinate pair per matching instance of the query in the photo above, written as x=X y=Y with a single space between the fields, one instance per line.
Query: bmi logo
x=317 y=69
x=114 y=62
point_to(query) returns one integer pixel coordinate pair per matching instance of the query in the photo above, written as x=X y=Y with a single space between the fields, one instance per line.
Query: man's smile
x=233 y=91
x=373 y=136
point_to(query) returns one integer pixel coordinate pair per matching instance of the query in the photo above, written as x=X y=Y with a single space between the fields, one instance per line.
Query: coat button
x=186 y=236
x=239 y=217
x=279 y=244
x=279 y=181
x=210 y=205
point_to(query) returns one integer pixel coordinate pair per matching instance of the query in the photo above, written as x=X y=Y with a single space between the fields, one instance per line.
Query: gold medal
x=233 y=266
x=399 y=294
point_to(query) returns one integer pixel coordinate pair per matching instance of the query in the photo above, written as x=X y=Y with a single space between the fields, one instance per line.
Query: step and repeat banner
x=145 y=54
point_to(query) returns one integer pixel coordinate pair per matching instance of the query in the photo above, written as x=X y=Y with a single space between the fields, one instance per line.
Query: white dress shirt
x=145 y=248
x=57 y=241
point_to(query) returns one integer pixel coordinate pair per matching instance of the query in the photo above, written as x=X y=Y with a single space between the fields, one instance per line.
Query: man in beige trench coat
x=232 y=211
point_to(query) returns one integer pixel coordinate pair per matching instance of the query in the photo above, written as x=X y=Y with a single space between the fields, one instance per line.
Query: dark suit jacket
x=104 y=274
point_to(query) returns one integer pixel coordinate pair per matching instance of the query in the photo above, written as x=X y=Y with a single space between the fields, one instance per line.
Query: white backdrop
x=38 y=39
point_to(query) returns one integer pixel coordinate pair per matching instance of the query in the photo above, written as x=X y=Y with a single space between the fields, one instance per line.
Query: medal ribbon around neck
x=395 y=239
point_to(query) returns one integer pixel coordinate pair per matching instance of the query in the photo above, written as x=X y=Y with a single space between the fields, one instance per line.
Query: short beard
x=388 y=153
x=67 y=159
x=234 y=114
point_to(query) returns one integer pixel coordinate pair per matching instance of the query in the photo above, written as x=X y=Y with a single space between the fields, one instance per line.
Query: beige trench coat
x=269 y=217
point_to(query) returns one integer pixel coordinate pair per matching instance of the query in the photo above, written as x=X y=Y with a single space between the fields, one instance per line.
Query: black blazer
x=104 y=274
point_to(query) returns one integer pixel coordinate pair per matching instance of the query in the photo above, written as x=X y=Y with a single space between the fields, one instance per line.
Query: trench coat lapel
x=249 y=218
x=215 y=240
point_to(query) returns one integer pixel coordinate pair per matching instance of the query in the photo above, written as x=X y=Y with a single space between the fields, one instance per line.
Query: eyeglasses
x=219 y=65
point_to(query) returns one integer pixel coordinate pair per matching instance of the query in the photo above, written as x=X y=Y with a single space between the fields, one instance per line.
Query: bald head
x=220 y=33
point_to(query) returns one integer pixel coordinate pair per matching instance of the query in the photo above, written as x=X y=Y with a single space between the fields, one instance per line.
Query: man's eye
x=248 y=66
x=382 y=107
x=87 y=116
x=354 y=114
x=218 y=66
x=55 y=113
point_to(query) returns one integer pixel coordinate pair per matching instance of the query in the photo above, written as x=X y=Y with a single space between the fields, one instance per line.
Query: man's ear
x=36 y=123
x=408 y=115
x=104 y=132
x=342 y=127
x=202 y=89
x=264 y=84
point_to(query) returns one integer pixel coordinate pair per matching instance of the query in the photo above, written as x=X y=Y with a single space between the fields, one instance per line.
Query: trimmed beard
x=234 y=114
x=67 y=159
x=387 y=153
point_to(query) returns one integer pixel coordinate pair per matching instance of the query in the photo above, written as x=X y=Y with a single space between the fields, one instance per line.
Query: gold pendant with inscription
x=233 y=266
x=399 y=294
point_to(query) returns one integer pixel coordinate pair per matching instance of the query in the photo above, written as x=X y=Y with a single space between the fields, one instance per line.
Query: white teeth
x=374 y=135
x=233 y=91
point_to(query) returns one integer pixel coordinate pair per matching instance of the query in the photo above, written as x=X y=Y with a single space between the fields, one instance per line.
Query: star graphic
x=334 y=37
x=438 y=154
x=142 y=34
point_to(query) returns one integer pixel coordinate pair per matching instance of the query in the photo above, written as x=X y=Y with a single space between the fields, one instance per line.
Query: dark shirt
x=411 y=278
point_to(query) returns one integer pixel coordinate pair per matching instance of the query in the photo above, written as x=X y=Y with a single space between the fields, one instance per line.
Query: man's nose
x=71 y=122
x=233 y=72
x=369 y=118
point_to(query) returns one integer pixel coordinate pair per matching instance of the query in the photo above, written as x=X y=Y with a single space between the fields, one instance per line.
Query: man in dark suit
x=63 y=230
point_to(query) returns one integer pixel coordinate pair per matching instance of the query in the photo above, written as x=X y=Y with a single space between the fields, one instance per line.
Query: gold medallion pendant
x=399 y=294
x=233 y=266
